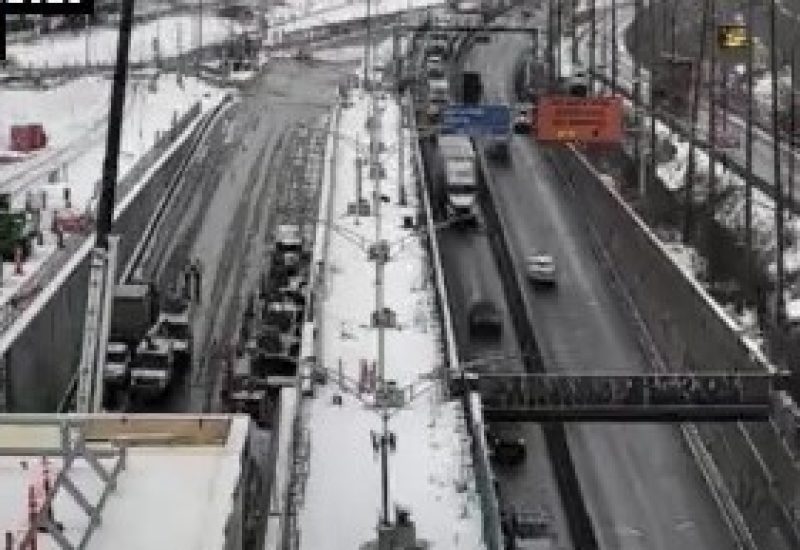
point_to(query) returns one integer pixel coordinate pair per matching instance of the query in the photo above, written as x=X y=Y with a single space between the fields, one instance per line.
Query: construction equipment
x=18 y=228
x=132 y=314
x=103 y=262
x=153 y=369
x=175 y=324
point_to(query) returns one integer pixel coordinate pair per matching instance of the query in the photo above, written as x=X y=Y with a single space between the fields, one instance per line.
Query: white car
x=541 y=268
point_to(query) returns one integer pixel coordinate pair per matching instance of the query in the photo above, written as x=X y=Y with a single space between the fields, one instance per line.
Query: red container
x=27 y=137
x=39 y=138
x=20 y=139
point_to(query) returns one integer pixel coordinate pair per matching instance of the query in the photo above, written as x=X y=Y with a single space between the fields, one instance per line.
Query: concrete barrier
x=685 y=330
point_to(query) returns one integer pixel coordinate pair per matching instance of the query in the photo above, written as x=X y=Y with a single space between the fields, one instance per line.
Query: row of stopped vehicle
x=266 y=355
x=150 y=343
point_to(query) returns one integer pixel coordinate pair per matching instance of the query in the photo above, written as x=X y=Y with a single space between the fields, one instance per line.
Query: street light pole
x=748 y=151
x=593 y=41
x=367 y=45
x=652 y=90
x=780 y=304
x=613 y=46
x=574 y=26
x=712 y=128
x=688 y=218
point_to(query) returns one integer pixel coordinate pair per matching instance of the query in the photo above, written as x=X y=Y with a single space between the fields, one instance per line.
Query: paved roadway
x=643 y=490
x=234 y=177
x=468 y=263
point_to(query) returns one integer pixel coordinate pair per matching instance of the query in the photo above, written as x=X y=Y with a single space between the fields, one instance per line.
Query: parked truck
x=437 y=97
x=459 y=167
x=471 y=87
x=133 y=312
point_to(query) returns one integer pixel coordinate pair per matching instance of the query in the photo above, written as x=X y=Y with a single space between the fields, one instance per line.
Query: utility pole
x=652 y=89
x=558 y=41
x=637 y=98
x=613 y=46
x=593 y=41
x=551 y=60
x=89 y=397
x=712 y=127
x=574 y=25
x=780 y=305
x=88 y=30
x=367 y=46
x=200 y=38
x=748 y=150
x=673 y=50
x=688 y=219
x=792 y=114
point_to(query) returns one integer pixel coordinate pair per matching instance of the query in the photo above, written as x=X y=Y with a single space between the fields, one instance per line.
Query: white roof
x=176 y=490
x=456 y=146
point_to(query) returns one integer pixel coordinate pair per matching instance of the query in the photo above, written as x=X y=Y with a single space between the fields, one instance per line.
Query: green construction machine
x=18 y=228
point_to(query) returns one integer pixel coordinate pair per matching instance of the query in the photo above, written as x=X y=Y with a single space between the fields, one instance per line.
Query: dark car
x=505 y=448
x=522 y=119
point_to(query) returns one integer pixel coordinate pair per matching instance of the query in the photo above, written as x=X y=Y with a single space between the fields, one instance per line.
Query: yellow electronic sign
x=732 y=37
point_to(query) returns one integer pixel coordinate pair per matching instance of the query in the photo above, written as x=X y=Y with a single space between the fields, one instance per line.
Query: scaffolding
x=72 y=447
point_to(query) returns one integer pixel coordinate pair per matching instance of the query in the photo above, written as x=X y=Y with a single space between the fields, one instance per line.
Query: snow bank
x=170 y=36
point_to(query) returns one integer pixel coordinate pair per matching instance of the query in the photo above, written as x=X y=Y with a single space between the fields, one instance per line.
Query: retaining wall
x=42 y=348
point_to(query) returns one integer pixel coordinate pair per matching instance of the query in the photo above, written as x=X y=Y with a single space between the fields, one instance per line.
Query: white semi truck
x=459 y=165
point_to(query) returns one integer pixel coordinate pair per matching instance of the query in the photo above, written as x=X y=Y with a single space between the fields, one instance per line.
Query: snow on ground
x=74 y=116
x=149 y=110
x=290 y=20
x=342 y=498
x=174 y=35
x=66 y=111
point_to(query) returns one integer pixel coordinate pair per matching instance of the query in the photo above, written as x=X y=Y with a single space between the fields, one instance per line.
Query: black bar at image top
x=64 y=7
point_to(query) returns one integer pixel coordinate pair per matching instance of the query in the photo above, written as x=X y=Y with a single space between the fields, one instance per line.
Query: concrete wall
x=42 y=348
x=686 y=330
